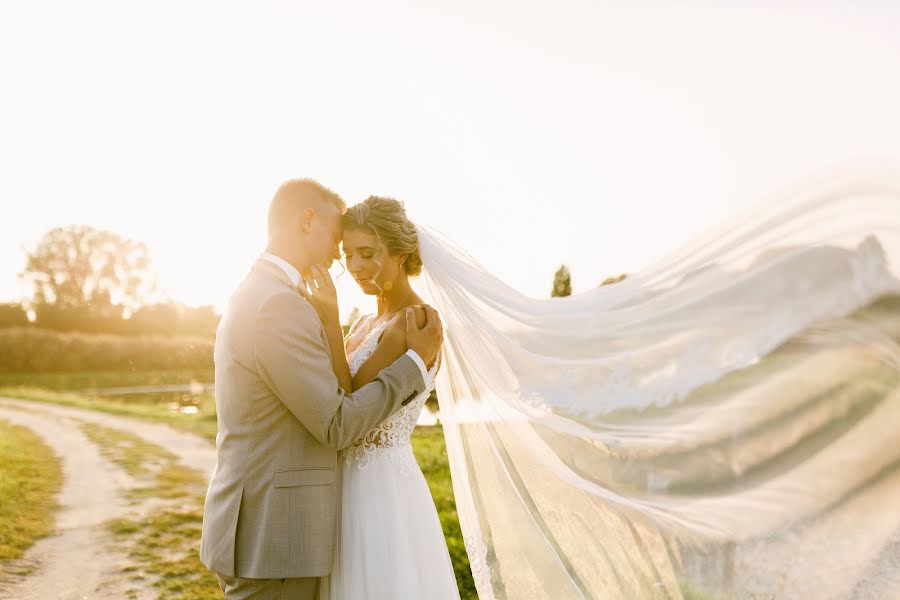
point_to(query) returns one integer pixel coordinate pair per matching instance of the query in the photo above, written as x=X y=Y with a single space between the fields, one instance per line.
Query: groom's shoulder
x=286 y=307
x=286 y=301
x=265 y=296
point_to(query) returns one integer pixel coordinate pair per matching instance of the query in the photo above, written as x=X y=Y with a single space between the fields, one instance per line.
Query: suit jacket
x=272 y=500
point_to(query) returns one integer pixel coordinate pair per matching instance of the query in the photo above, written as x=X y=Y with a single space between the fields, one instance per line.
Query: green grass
x=173 y=481
x=692 y=593
x=134 y=454
x=164 y=548
x=86 y=380
x=202 y=423
x=30 y=478
x=164 y=545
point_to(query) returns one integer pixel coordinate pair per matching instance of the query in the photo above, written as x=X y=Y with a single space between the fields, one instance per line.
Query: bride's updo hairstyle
x=387 y=218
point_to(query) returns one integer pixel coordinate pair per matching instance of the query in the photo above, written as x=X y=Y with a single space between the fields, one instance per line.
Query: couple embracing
x=316 y=492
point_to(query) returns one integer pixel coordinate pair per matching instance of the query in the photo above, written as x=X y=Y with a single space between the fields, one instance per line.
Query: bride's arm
x=335 y=336
x=391 y=347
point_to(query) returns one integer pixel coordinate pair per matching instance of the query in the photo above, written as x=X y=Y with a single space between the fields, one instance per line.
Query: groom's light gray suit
x=272 y=501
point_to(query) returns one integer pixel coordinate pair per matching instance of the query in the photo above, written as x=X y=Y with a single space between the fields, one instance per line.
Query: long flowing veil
x=724 y=423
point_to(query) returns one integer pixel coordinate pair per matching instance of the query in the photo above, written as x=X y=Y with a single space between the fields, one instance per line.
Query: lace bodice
x=394 y=433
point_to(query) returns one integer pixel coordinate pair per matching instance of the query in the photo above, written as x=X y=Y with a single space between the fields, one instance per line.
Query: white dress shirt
x=289 y=270
x=294 y=275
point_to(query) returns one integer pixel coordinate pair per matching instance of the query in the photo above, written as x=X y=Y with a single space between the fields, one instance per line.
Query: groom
x=269 y=520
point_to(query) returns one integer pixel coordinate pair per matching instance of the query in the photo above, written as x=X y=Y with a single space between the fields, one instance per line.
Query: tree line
x=94 y=281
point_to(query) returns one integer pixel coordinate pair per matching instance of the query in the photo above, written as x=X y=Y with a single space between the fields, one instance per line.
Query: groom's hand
x=425 y=341
x=319 y=289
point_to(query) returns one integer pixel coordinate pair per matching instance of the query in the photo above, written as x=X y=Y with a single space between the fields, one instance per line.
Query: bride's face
x=368 y=261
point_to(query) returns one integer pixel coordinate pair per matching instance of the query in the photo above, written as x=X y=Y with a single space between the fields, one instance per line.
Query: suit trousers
x=296 y=588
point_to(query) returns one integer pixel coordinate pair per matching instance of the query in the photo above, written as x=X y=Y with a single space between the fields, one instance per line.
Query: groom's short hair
x=295 y=195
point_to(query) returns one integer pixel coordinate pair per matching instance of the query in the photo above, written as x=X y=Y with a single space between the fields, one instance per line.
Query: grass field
x=68 y=389
x=30 y=478
x=87 y=380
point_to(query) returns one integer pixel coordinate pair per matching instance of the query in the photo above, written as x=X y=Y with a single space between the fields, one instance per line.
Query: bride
x=390 y=543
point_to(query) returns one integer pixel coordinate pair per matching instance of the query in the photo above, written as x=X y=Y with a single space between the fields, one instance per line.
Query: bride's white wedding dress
x=390 y=544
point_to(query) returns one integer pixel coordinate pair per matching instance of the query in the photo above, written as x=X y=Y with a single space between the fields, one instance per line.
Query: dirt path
x=79 y=562
x=192 y=450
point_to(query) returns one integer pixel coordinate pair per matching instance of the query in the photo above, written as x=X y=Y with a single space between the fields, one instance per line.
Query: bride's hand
x=320 y=291
x=397 y=328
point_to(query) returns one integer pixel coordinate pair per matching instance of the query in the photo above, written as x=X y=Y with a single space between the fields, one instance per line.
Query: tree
x=351 y=319
x=159 y=318
x=562 y=283
x=614 y=279
x=198 y=320
x=83 y=277
x=172 y=318
x=13 y=315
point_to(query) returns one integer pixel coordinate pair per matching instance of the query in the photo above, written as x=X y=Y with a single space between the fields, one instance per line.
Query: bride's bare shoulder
x=356 y=332
x=354 y=327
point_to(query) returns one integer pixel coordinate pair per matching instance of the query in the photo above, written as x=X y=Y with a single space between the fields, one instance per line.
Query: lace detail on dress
x=390 y=439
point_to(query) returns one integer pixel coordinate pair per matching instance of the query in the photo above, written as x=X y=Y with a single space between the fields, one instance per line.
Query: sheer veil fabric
x=724 y=423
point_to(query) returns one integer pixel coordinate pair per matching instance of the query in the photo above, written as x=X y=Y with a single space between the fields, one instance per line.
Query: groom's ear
x=306 y=218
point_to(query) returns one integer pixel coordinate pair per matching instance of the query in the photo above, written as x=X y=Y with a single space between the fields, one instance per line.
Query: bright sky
x=597 y=134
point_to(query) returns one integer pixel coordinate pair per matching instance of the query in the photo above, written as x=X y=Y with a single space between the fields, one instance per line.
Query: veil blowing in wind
x=724 y=423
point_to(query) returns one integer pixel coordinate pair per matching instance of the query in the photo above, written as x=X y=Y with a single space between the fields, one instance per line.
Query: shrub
x=31 y=349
